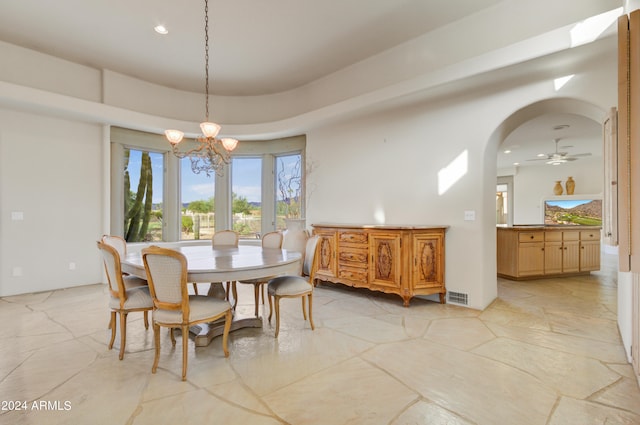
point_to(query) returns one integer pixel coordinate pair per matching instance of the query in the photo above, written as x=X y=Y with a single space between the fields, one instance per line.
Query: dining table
x=206 y=264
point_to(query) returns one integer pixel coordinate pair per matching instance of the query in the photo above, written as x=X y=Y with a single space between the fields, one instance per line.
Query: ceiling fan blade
x=580 y=154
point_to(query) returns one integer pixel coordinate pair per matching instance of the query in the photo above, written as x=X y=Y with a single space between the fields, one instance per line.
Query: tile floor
x=545 y=352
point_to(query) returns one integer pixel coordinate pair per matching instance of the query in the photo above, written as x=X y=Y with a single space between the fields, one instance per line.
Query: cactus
x=137 y=217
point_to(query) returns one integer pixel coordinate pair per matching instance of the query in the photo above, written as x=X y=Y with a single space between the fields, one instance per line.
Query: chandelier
x=211 y=154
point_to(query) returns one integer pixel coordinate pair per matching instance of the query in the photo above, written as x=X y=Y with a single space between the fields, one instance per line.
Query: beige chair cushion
x=289 y=285
x=136 y=298
x=200 y=307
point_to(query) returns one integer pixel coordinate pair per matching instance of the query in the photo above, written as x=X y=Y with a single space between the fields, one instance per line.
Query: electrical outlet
x=469 y=216
x=72 y=266
x=16 y=272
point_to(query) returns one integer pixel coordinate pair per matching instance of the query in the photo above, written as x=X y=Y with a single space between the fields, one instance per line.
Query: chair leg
x=156 y=342
x=123 y=333
x=262 y=290
x=225 y=333
x=112 y=325
x=234 y=291
x=270 y=307
x=277 y=301
x=173 y=337
x=146 y=319
x=304 y=308
x=256 y=292
x=195 y=288
x=311 y=311
x=185 y=351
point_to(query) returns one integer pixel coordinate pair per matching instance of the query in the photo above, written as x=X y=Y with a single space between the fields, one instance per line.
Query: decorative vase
x=557 y=189
x=295 y=236
x=570 y=185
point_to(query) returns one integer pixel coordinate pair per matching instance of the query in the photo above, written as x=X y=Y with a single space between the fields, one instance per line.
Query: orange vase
x=557 y=189
x=570 y=185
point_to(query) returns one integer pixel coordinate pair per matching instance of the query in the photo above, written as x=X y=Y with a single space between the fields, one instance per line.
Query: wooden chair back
x=112 y=267
x=272 y=240
x=167 y=276
x=225 y=238
x=116 y=242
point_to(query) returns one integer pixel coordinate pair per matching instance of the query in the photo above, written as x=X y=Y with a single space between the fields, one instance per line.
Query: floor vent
x=458 y=298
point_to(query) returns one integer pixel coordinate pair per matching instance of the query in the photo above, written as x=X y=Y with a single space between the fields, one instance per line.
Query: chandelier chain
x=206 y=58
x=211 y=154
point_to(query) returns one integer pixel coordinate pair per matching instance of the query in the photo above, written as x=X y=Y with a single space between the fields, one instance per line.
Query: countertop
x=549 y=227
x=380 y=226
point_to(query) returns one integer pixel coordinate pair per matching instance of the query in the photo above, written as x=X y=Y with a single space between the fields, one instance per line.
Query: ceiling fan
x=557 y=158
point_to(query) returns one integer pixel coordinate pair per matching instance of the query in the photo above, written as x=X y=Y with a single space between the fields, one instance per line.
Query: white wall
x=531 y=185
x=374 y=167
x=51 y=172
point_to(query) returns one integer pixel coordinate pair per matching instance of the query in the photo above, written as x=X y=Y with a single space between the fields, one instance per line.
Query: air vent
x=458 y=298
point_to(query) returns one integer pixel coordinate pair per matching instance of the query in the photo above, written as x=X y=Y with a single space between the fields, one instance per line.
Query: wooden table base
x=205 y=332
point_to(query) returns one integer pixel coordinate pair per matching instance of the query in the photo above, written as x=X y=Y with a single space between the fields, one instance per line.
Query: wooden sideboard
x=402 y=260
x=529 y=252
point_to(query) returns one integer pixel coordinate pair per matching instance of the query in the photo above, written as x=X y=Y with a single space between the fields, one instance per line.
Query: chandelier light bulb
x=174 y=136
x=210 y=129
x=229 y=143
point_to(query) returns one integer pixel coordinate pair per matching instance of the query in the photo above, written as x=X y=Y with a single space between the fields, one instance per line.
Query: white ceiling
x=257 y=46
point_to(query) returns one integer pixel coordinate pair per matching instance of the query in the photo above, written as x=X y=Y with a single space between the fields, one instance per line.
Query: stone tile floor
x=545 y=352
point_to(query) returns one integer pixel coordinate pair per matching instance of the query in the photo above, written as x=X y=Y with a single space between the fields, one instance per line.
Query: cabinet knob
x=531 y=236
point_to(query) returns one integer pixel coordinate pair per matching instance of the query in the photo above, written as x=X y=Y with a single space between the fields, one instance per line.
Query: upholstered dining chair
x=116 y=242
x=295 y=286
x=222 y=239
x=174 y=307
x=127 y=294
x=269 y=240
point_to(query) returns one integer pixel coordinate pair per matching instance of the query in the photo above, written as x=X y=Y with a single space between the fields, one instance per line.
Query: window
x=171 y=203
x=246 y=196
x=197 y=194
x=143 y=175
x=288 y=188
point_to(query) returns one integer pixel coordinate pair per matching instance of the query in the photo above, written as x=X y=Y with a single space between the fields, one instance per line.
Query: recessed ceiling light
x=541 y=155
x=161 y=29
x=516 y=163
x=507 y=151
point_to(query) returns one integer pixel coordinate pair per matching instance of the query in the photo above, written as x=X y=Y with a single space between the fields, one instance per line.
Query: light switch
x=469 y=216
x=17 y=215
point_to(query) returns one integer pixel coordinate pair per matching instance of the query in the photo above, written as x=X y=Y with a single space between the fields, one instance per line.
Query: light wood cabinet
x=547 y=251
x=589 y=251
x=402 y=260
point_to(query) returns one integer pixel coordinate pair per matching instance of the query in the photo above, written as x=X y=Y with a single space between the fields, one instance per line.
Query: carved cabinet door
x=427 y=256
x=327 y=266
x=386 y=261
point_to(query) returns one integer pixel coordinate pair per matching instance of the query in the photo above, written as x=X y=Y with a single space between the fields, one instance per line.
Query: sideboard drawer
x=353 y=237
x=353 y=256
x=350 y=273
